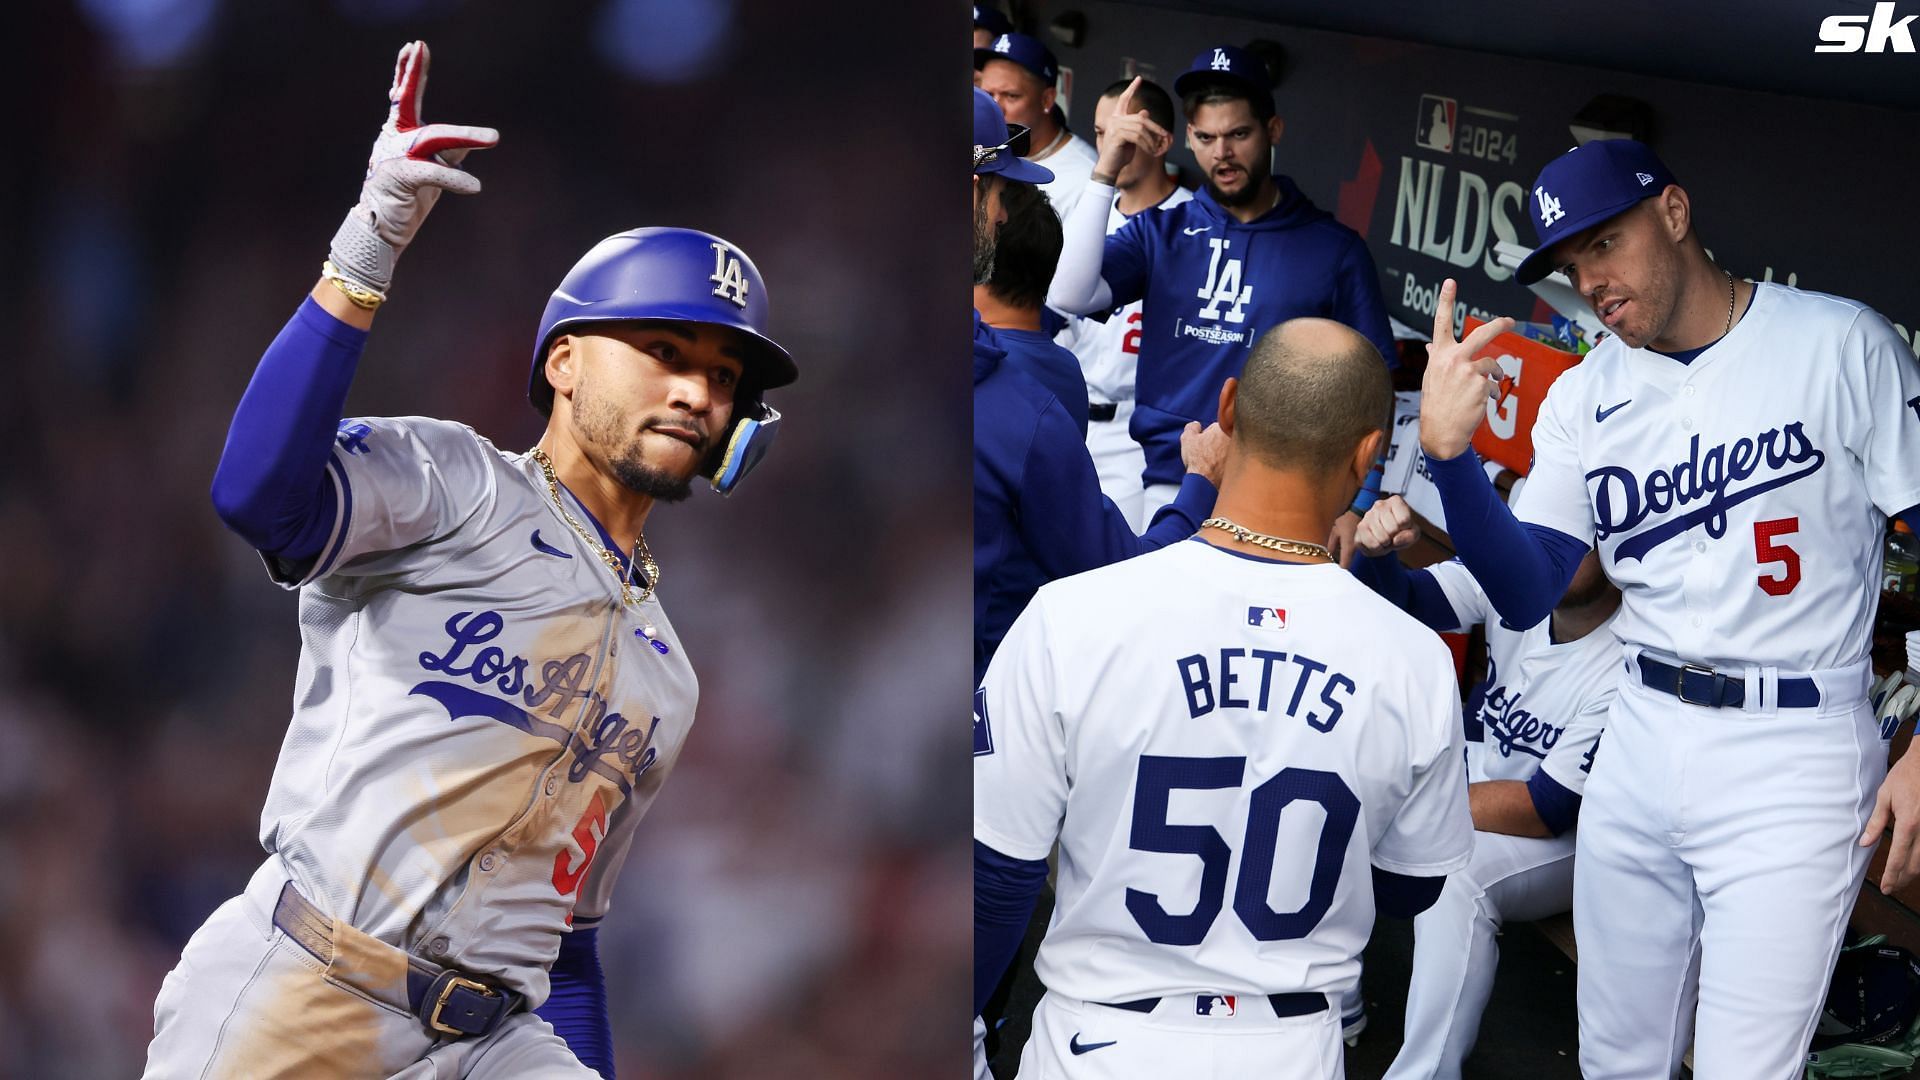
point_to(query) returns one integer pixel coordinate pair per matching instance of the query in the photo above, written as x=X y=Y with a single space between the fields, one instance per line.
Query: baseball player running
x=1233 y=777
x=490 y=694
x=1246 y=254
x=1532 y=727
x=1110 y=350
x=1734 y=450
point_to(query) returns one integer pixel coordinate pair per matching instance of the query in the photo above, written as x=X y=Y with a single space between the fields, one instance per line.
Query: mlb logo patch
x=1267 y=618
x=1213 y=1005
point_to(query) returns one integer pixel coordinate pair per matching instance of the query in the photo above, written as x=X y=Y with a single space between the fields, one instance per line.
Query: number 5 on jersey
x=1160 y=776
x=571 y=865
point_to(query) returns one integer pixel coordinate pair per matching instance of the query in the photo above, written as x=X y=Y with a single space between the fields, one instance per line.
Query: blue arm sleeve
x=271 y=485
x=1068 y=526
x=1523 y=568
x=577 y=1006
x=1399 y=896
x=1412 y=591
x=1911 y=515
x=1558 y=807
x=1181 y=518
x=1369 y=491
x=1004 y=891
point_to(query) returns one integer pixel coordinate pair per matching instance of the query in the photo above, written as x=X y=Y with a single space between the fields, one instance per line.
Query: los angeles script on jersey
x=1512 y=727
x=1228 y=682
x=1621 y=502
x=562 y=684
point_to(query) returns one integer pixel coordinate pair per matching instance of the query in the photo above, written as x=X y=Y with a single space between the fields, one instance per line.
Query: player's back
x=1238 y=739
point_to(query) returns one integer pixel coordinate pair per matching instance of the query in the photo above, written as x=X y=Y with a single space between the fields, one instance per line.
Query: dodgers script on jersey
x=1739 y=501
x=1542 y=701
x=1212 y=285
x=1221 y=752
x=477 y=728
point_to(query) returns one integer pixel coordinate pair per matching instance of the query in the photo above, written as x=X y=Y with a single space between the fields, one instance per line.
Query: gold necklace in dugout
x=1271 y=543
x=642 y=556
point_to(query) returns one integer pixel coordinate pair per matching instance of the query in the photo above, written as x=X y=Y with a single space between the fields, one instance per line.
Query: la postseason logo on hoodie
x=1223 y=287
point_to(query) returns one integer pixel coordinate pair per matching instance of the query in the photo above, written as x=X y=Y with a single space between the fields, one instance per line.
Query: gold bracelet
x=360 y=296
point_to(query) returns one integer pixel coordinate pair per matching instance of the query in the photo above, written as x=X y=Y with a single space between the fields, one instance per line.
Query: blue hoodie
x=1212 y=285
x=1036 y=497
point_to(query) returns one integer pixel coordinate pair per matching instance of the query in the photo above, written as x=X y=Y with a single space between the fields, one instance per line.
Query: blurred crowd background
x=797 y=904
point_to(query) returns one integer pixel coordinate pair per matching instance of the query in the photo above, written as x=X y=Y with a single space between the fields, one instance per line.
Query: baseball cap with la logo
x=1022 y=50
x=1584 y=187
x=1228 y=64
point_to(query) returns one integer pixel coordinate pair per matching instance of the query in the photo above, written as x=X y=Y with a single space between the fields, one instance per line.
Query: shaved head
x=1310 y=391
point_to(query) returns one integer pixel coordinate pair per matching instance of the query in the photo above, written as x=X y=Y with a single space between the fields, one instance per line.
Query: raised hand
x=1128 y=132
x=1454 y=392
x=411 y=164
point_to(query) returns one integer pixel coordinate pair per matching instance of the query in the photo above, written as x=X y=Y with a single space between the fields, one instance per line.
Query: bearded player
x=1734 y=450
x=1249 y=252
x=490 y=694
x=1240 y=751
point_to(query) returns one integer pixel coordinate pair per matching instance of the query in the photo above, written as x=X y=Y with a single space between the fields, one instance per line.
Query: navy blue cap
x=990 y=129
x=1584 y=187
x=990 y=19
x=1023 y=50
x=1227 y=64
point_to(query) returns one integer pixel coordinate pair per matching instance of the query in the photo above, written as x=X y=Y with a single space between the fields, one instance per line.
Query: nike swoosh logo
x=1600 y=414
x=1079 y=1047
x=1192 y=232
x=545 y=548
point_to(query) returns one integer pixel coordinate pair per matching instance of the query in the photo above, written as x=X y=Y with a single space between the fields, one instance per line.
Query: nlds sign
x=1876 y=33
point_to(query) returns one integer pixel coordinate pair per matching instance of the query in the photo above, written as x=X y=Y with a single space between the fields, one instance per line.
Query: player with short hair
x=1234 y=778
x=1109 y=350
x=1013 y=302
x=490 y=695
x=1733 y=449
x=1532 y=727
x=1036 y=498
x=1020 y=74
x=1249 y=252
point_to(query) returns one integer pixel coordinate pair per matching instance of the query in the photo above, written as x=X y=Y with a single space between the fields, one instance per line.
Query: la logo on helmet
x=729 y=281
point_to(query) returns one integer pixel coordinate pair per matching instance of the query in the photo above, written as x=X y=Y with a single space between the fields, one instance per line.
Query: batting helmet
x=680 y=275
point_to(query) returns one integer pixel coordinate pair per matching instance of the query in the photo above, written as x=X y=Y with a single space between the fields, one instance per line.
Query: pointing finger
x=1125 y=104
x=436 y=138
x=1443 y=314
x=409 y=87
x=1486 y=332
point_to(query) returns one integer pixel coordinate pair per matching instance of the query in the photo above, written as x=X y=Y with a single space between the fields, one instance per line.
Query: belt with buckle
x=1699 y=685
x=1302 y=1004
x=1102 y=411
x=447 y=1001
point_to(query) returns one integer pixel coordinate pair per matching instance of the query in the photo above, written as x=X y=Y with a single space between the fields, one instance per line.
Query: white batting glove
x=410 y=165
x=1388 y=527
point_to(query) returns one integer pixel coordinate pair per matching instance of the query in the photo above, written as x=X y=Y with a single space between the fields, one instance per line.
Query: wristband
x=361 y=297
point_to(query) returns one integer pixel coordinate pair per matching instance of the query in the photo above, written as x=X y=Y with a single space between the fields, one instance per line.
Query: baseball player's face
x=1017 y=91
x=1233 y=148
x=649 y=400
x=1628 y=269
x=982 y=38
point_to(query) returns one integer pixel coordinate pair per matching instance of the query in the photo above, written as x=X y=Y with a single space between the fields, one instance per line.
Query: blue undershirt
x=577 y=1003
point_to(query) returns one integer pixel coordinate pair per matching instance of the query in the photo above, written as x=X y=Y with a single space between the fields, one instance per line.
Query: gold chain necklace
x=641 y=554
x=1271 y=543
x=1730 y=294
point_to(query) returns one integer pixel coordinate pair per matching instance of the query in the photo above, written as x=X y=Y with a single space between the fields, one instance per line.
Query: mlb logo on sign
x=1213 y=1005
x=1433 y=128
x=1267 y=618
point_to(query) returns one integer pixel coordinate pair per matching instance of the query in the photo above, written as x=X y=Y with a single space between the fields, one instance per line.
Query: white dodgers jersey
x=477 y=728
x=1543 y=701
x=1110 y=351
x=1739 y=501
x=1222 y=744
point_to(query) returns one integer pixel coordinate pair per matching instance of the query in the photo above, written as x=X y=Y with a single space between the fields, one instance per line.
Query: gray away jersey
x=477 y=728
